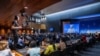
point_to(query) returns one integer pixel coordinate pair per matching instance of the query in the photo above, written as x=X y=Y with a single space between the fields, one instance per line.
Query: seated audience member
x=28 y=37
x=62 y=44
x=43 y=45
x=11 y=43
x=97 y=37
x=57 y=38
x=27 y=42
x=51 y=47
x=4 y=51
x=44 y=41
x=84 y=42
x=34 y=50
x=20 y=43
x=84 y=39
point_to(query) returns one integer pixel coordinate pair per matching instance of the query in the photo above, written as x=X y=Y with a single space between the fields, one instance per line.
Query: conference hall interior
x=49 y=27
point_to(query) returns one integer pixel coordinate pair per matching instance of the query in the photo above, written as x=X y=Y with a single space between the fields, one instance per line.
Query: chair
x=56 y=53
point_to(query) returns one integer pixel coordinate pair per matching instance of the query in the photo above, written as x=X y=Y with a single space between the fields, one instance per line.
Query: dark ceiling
x=9 y=8
x=66 y=5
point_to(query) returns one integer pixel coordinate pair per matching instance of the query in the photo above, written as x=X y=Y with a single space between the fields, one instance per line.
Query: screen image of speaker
x=70 y=28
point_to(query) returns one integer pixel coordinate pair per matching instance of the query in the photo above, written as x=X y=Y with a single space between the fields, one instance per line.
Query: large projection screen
x=70 y=28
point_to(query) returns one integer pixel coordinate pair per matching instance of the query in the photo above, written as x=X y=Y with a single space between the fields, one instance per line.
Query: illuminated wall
x=87 y=24
x=90 y=25
x=53 y=20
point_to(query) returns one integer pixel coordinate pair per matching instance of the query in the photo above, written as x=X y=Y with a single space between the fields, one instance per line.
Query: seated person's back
x=20 y=42
x=51 y=47
x=33 y=50
x=4 y=51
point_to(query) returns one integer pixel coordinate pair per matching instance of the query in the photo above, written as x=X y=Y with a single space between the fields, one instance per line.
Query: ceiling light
x=26 y=7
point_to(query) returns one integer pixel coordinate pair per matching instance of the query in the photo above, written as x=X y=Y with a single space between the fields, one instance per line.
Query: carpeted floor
x=93 y=51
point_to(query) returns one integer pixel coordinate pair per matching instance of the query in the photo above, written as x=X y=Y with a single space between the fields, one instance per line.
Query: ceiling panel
x=67 y=4
x=9 y=8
